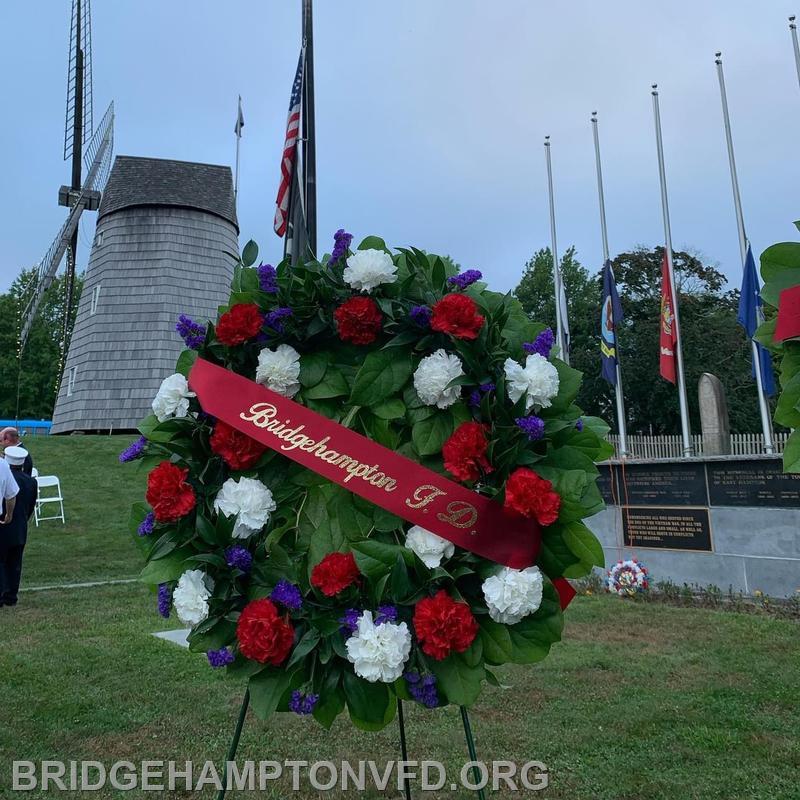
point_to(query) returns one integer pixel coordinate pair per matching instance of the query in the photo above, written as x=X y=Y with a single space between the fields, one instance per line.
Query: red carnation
x=242 y=322
x=458 y=315
x=443 y=625
x=263 y=634
x=465 y=452
x=334 y=573
x=532 y=496
x=359 y=320
x=168 y=493
x=237 y=450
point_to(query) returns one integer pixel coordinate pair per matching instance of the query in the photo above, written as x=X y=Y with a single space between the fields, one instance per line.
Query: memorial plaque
x=664 y=483
x=752 y=482
x=666 y=528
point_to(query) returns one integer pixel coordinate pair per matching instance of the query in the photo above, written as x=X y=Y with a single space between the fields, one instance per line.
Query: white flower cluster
x=433 y=375
x=378 y=652
x=367 y=269
x=537 y=380
x=279 y=369
x=428 y=546
x=249 y=500
x=512 y=594
x=190 y=596
x=172 y=398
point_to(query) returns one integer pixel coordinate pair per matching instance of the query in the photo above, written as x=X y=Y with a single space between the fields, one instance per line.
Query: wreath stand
x=234 y=746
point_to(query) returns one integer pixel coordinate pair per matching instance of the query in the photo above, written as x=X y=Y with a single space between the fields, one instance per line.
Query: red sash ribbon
x=385 y=478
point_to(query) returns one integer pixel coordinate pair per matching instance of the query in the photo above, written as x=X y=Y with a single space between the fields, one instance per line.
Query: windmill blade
x=79 y=76
x=102 y=145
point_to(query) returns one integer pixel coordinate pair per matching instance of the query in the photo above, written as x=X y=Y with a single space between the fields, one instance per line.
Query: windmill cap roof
x=136 y=181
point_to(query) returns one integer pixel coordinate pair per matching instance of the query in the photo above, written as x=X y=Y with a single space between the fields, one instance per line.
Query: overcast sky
x=430 y=118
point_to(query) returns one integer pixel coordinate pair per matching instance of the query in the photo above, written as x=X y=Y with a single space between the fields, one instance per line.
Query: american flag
x=289 y=151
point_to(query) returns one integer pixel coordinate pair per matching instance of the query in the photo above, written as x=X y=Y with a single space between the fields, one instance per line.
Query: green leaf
x=221 y=633
x=312 y=368
x=267 y=688
x=376 y=558
x=324 y=540
x=169 y=568
x=584 y=544
x=787 y=411
x=330 y=705
x=250 y=254
x=306 y=644
x=791 y=453
x=392 y=408
x=459 y=677
x=382 y=374
x=185 y=362
x=373 y=243
x=429 y=435
x=333 y=384
x=569 y=382
x=369 y=704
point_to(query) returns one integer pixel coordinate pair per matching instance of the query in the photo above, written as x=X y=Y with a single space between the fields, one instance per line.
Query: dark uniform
x=14 y=535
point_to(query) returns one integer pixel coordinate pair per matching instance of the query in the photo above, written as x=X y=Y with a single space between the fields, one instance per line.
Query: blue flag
x=610 y=318
x=751 y=316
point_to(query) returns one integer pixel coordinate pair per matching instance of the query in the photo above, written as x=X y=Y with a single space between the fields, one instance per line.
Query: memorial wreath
x=367 y=484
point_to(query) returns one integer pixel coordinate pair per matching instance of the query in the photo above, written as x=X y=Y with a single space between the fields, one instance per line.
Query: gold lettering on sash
x=460 y=514
x=424 y=495
x=260 y=414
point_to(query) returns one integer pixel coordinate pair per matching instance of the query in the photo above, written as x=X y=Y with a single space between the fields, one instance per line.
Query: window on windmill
x=95 y=298
x=98 y=238
x=71 y=381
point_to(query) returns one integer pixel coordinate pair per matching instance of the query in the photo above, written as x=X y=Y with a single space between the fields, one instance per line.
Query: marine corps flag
x=669 y=340
x=610 y=318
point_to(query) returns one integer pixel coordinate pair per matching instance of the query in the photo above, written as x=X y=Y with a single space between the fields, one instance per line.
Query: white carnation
x=249 y=500
x=190 y=597
x=367 y=269
x=378 y=652
x=428 y=546
x=172 y=399
x=512 y=594
x=432 y=376
x=537 y=380
x=279 y=369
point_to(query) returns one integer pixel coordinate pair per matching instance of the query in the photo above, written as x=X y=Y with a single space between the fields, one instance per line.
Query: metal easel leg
x=234 y=746
x=476 y=776
x=403 y=748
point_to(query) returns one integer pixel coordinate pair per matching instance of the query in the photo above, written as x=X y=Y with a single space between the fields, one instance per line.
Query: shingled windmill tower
x=162 y=247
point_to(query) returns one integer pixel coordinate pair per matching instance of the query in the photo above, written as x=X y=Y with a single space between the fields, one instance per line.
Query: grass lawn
x=639 y=701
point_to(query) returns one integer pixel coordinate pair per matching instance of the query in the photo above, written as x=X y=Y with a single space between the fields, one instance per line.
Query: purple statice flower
x=220 y=658
x=287 y=594
x=192 y=333
x=341 y=244
x=238 y=557
x=422 y=687
x=164 y=600
x=579 y=425
x=420 y=316
x=267 y=278
x=350 y=621
x=146 y=526
x=302 y=703
x=476 y=395
x=532 y=426
x=274 y=319
x=464 y=279
x=542 y=345
x=385 y=614
x=133 y=451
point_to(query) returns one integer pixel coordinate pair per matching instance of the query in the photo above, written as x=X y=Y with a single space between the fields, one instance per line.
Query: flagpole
x=623 y=436
x=686 y=435
x=763 y=401
x=561 y=339
x=309 y=130
x=793 y=29
x=238 y=141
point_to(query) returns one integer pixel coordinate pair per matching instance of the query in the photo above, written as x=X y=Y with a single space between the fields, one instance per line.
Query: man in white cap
x=9 y=437
x=19 y=492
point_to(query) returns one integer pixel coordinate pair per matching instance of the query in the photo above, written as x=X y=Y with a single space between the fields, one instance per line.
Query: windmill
x=87 y=149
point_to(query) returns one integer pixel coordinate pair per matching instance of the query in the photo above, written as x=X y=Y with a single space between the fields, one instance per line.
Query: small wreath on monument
x=628 y=578
x=367 y=484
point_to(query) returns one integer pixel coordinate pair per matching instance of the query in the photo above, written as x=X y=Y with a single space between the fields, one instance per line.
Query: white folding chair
x=49 y=482
x=34 y=472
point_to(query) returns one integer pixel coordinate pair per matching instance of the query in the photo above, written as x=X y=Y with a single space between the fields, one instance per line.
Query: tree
x=712 y=339
x=38 y=371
